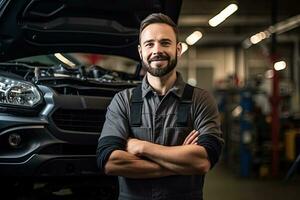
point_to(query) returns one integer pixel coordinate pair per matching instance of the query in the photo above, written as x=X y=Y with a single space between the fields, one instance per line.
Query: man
x=160 y=138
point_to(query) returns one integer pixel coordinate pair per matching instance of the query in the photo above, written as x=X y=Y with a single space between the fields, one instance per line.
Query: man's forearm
x=185 y=160
x=122 y=163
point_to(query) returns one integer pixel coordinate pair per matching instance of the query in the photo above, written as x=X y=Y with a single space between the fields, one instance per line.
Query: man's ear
x=179 y=49
x=140 y=51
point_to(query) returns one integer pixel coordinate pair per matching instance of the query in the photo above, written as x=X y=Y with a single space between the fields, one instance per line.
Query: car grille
x=79 y=120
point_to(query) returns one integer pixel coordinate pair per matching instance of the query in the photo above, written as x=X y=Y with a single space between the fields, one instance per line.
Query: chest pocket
x=141 y=133
x=175 y=135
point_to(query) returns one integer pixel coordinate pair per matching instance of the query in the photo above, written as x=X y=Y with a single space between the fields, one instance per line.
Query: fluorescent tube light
x=193 y=38
x=219 y=18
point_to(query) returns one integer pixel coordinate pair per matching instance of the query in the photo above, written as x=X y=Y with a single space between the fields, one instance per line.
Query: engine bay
x=41 y=74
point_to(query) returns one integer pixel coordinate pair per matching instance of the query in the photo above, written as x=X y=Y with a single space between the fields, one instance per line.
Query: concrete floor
x=223 y=184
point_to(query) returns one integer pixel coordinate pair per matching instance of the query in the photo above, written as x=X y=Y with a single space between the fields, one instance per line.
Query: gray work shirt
x=159 y=126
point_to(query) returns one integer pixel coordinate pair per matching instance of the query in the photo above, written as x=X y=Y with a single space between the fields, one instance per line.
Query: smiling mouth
x=158 y=60
x=158 y=63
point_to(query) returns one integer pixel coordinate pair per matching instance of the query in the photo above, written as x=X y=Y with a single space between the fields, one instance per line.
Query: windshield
x=74 y=60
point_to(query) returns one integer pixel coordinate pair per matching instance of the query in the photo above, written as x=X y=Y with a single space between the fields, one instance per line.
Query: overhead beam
x=202 y=20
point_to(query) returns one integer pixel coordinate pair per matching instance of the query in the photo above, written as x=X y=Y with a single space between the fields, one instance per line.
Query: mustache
x=159 y=57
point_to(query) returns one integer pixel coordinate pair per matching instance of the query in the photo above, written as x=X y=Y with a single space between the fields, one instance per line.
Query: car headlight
x=18 y=93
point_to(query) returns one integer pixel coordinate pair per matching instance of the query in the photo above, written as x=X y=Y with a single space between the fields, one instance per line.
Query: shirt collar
x=176 y=89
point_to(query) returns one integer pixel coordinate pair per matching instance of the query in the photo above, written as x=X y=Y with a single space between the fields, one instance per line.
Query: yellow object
x=263 y=171
x=290 y=146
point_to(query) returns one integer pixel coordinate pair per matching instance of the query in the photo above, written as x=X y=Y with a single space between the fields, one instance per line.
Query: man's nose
x=157 y=49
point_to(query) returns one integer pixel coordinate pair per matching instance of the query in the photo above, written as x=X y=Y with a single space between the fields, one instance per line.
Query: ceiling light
x=184 y=47
x=279 y=65
x=219 y=18
x=259 y=37
x=255 y=39
x=193 y=38
x=278 y=28
x=269 y=73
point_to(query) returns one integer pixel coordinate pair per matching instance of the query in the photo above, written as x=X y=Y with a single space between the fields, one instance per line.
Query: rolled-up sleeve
x=115 y=130
x=207 y=122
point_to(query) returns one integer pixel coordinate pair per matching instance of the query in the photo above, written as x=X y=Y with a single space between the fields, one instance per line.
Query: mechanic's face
x=158 y=49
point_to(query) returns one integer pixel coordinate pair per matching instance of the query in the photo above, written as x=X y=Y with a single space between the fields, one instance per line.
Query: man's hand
x=185 y=159
x=135 y=146
x=191 y=138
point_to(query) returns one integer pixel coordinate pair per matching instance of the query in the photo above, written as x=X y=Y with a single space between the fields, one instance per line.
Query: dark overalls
x=168 y=132
x=167 y=121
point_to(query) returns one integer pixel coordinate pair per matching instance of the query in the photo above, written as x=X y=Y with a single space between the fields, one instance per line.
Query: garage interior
x=259 y=103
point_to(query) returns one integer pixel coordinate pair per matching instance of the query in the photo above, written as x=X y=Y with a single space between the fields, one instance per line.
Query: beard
x=160 y=72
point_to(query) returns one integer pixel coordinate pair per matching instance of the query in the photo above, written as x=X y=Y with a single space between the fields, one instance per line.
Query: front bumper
x=48 y=147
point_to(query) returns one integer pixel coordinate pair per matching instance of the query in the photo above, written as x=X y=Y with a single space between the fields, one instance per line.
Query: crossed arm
x=147 y=160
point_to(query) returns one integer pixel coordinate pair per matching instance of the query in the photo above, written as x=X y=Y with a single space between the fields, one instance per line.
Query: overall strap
x=184 y=106
x=136 y=106
x=183 y=111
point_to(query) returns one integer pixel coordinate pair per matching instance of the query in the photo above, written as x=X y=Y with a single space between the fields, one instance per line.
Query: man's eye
x=149 y=45
x=165 y=43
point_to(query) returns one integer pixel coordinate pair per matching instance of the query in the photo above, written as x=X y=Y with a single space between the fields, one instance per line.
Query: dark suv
x=53 y=101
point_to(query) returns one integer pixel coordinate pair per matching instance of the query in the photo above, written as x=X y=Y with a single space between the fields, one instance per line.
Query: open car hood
x=35 y=27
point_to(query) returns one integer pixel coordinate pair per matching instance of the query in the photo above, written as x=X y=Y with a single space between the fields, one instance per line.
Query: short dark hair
x=158 y=18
